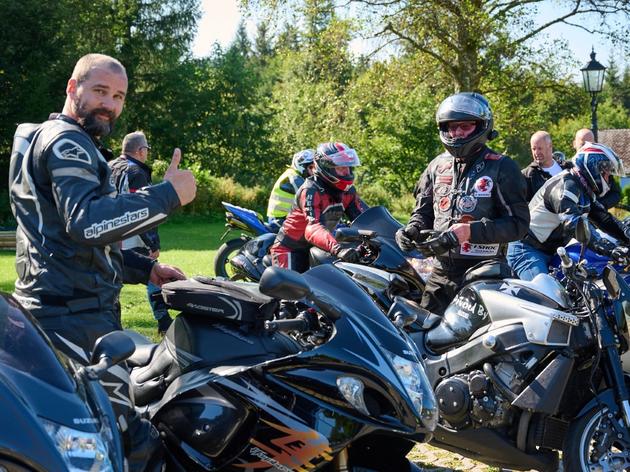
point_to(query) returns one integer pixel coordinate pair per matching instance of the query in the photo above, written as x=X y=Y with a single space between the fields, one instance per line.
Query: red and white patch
x=445 y=204
x=483 y=186
x=470 y=249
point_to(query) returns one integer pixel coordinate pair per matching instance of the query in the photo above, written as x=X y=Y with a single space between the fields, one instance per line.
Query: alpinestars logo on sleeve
x=68 y=150
x=106 y=226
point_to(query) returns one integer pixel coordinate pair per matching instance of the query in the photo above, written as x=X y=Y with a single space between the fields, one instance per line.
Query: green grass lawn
x=189 y=244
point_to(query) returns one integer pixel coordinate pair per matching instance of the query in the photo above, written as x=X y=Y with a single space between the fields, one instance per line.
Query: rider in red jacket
x=320 y=203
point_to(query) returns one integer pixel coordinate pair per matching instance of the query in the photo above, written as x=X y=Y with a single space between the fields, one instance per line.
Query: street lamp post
x=593 y=78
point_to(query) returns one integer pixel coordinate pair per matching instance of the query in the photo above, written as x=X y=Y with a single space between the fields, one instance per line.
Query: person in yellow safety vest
x=282 y=198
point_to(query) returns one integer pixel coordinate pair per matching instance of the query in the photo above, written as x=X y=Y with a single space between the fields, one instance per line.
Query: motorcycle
x=524 y=369
x=251 y=225
x=55 y=415
x=228 y=389
x=372 y=232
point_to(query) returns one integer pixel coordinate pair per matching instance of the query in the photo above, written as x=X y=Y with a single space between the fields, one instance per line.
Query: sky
x=221 y=18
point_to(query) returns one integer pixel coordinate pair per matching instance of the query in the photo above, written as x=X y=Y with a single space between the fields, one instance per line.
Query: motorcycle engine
x=469 y=400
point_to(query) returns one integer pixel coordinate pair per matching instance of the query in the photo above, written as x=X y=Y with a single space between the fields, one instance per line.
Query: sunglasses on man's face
x=147 y=147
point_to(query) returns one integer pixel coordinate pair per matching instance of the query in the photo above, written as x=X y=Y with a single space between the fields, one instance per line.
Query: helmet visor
x=344 y=158
x=463 y=106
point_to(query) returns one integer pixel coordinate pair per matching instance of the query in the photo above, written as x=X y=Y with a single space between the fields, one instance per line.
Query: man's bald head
x=542 y=149
x=583 y=135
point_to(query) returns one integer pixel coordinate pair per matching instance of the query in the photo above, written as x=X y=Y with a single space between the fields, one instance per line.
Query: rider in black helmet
x=471 y=193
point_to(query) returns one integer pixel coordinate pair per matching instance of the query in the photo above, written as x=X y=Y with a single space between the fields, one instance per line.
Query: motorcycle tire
x=222 y=266
x=578 y=443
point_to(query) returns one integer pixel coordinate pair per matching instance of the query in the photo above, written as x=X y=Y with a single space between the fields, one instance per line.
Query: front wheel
x=225 y=253
x=595 y=442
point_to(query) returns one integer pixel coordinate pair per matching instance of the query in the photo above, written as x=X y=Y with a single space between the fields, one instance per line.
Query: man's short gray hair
x=134 y=141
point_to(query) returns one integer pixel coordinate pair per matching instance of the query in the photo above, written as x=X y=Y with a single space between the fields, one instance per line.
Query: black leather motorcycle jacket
x=557 y=207
x=71 y=220
x=488 y=192
x=535 y=177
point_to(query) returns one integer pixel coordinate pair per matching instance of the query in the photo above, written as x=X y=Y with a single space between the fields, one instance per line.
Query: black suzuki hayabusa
x=55 y=416
x=521 y=369
x=229 y=390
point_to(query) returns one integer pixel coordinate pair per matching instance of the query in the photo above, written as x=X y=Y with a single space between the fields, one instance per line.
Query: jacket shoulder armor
x=68 y=143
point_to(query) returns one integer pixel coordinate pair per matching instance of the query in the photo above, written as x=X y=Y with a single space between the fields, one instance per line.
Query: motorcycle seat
x=488 y=270
x=142 y=355
x=193 y=342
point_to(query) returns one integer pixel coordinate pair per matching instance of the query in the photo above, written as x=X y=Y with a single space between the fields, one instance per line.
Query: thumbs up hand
x=183 y=181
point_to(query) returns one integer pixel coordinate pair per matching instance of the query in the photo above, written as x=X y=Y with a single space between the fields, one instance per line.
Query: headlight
x=423 y=267
x=80 y=450
x=352 y=390
x=418 y=388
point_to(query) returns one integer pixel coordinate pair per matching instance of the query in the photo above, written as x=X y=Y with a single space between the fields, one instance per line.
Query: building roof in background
x=619 y=141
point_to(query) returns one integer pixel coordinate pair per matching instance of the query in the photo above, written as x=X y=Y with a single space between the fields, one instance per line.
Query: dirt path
x=432 y=459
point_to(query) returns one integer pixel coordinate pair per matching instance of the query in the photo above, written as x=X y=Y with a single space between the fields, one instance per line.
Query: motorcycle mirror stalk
x=109 y=350
x=286 y=284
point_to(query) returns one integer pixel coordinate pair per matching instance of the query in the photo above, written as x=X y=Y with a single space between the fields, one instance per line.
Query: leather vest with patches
x=469 y=197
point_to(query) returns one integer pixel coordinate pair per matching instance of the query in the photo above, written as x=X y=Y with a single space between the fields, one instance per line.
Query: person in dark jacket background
x=543 y=166
x=472 y=194
x=131 y=173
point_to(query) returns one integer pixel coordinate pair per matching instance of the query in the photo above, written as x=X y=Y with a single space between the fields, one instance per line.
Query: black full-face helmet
x=465 y=106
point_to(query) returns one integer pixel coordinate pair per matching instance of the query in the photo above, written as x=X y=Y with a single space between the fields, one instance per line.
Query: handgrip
x=296 y=324
x=564 y=258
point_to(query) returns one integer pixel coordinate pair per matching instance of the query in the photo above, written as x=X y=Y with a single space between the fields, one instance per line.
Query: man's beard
x=93 y=125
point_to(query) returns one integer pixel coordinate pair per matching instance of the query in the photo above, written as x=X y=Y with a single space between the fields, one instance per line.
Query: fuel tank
x=540 y=305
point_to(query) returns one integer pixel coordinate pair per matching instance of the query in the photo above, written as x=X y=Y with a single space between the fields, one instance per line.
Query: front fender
x=607 y=397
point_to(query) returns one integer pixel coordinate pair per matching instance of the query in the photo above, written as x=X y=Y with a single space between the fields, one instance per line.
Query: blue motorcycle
x=593 y=260
x=251 y=225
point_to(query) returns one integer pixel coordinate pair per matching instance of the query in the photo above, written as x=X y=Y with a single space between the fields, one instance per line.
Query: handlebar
x=296 y=324
x=565 y=260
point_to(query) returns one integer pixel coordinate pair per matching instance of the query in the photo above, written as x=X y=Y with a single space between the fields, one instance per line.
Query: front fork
x=614 y=372
x=340 y=463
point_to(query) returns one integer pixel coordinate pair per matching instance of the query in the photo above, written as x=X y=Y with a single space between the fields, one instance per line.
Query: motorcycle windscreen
x=378 y=219
x=337 y=288
x=25 y=347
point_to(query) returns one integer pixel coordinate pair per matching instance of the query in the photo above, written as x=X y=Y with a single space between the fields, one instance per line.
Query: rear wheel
x=222 y=266
x=595 y=443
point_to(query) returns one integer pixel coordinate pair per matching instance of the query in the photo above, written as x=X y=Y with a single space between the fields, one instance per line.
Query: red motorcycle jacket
x=318 y=211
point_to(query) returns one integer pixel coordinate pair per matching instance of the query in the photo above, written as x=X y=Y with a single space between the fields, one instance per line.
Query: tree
x=469 y=40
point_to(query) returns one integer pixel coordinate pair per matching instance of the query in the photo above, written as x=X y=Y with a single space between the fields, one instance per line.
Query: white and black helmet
x=594 y=158
x=465 y=106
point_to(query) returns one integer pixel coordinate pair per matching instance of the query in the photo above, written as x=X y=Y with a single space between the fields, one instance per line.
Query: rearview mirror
x=116 y=345
x=277 y=282
x=611 y=283
x=583 y=231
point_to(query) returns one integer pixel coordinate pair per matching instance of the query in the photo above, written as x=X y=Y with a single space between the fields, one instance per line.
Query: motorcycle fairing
x=244 y=218
x=501 y=303
x=286 y=442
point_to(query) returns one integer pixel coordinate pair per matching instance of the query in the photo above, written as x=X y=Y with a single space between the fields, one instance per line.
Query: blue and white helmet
x=592 y=159
x=301 y=160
